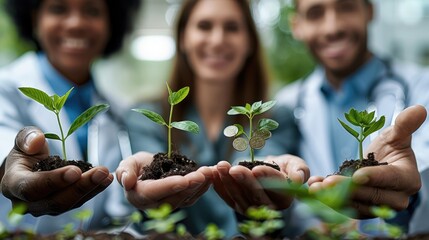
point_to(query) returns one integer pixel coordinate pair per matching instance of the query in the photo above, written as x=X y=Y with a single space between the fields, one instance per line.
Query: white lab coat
x=17 y=111
x=315 y=144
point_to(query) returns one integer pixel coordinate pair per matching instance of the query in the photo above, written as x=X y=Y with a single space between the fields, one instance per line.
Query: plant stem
x=63 y=140
x=169 y=131
x=360 y=144
x=252 y=154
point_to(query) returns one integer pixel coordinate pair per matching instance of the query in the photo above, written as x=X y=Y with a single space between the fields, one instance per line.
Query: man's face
x=335 y=31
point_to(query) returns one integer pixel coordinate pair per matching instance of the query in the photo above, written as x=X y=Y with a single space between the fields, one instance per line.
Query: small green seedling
x=262 y=221
x=386 y=213
x=367 y=124
x=212 y=232
x=173 y=99
x=163 y=220
x=257 y=136
x=54 y=104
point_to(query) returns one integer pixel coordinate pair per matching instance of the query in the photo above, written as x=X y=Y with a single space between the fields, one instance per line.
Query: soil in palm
x=162 y=166
x=54 y=162
x=348 y=167
x=250 y=165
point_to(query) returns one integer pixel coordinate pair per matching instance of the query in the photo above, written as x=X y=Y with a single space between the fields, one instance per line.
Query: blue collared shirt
x=78 y=101
x=353 y=93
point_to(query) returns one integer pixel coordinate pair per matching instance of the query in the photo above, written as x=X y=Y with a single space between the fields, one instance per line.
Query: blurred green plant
x=11 y=45
x=163 y=220
x=262 y=221
x=289 y=59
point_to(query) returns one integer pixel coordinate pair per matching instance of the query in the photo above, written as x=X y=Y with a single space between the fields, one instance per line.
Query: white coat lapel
x=316 y=145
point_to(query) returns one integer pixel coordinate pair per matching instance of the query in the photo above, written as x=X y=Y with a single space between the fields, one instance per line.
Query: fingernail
x=360 y=179
x=98 y=177
x=71 y=175
x=124 y=176
x=179 y=188
x=30 y=136
x=239 y=177
x=302 y=175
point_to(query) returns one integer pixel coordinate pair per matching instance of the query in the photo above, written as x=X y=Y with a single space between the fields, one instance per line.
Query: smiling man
x=350 y=75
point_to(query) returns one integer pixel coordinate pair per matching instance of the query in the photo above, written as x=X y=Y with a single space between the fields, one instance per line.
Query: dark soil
x=54 y=162
x=251 y=165
x=168 y=236
x=348 y=167
x=162 y=166
x=56 y=236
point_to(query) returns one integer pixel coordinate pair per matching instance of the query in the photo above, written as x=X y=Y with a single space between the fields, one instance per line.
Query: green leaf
x=265 y=107
x=349 y=129
x=383 y=212
x=52 y=136
x=86 y=117
x=38 y=96
x=368 y=118
x=240 y=129
x=83 y=215
x=375 y=127
x=153 y=116
x=351 y=119
x=256 y=106
x=62 y=100
x=176 y=97
x=188 y=126
x=236 y=110
x=268 y=124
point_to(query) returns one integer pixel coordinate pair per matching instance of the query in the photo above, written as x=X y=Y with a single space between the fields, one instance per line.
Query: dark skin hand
x=390 y=185
x=48 y=192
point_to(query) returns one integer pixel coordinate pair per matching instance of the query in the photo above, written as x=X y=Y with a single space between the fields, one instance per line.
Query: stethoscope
x=399 y=91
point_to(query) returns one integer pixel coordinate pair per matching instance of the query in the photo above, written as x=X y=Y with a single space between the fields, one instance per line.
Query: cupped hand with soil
x=47 y=192
x=391 y=184
x=241 y=188
x=178 y=191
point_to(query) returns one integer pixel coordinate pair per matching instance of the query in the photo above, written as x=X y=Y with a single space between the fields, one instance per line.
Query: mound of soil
x=250 y=165
x=348 y=167
x=162 y=166
x=54 y=162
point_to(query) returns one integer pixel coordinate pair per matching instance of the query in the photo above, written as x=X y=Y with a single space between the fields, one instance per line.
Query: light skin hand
x=47 y=192
x=240 y=187
x=391 y=184
x=178 y=191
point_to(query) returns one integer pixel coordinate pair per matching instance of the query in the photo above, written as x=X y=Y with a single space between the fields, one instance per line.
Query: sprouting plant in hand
x=367 y=124
x=173 y=99
x=256 y=136
x=54 y=104
x=262 y=221
x=163 y=220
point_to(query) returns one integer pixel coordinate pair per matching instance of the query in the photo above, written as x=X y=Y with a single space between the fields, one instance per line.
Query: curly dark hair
x=121 y=16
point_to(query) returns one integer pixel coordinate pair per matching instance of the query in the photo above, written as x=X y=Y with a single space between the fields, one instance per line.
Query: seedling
x=163 y=220
x=257 y=136
x=212 y=232
x=174 y=98
x=367 y=124
x=263 y=221
x=54 y=104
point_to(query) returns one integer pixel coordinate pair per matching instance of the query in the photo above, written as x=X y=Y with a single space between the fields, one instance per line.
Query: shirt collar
x=359 y=82
x=60 y=84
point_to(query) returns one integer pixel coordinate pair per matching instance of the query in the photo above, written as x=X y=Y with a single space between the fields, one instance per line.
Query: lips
x=75 y=44
x=336 y=49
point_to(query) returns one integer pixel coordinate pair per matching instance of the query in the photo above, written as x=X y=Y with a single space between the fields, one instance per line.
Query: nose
x=332 y=24
x=217 y=36
x=74 y=20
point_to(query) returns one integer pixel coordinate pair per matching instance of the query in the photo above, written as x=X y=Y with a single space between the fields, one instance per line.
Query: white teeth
x=75 y=43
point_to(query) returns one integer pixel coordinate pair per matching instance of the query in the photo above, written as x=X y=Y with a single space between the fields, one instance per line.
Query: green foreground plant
x=54 y=104
x=174 y=98
x=163 y=220
x=257 y=136
x=367 y=124
x=262 y=221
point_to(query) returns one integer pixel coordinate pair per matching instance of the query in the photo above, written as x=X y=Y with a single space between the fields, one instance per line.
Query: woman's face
x=72 y=32
x=216 y=40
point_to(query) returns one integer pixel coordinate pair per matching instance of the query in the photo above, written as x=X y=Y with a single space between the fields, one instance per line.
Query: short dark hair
x=121 y=17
